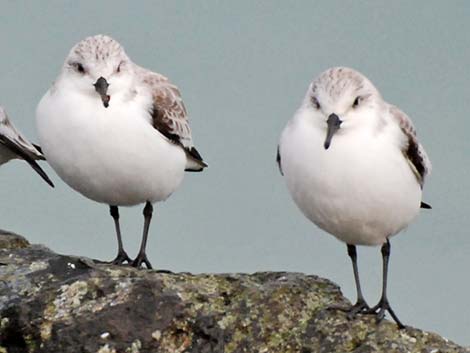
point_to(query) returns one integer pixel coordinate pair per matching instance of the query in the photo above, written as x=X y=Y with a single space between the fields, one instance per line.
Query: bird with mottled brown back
x=116 y=133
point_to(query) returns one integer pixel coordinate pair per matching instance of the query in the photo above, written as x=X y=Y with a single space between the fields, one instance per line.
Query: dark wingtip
x=38 y=148
x=41 y=172
x=278 y=160
x=202 y=166
x=425 y=205
x=14 y=148
x=194 y=154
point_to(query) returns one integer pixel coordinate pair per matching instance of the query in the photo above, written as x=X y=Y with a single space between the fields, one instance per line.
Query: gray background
x=243 y=68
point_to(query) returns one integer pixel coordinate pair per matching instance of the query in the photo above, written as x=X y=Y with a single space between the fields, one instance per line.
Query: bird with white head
x=354 y=167
x=116 y=132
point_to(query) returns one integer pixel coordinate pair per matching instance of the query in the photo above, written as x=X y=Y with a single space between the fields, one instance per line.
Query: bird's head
x=341 y=99
x=98 y=66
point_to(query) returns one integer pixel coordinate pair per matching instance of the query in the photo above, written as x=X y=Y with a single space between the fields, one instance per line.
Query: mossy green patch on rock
x=54 y=303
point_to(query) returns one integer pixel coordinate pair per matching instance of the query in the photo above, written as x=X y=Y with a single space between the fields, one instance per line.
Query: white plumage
x=116 y=132
x=354 y=167
x=363 y=188
x=111 y=155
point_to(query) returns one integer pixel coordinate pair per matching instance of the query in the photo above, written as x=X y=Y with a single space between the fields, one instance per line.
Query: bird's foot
x=121 y=258
x=381 y=308
x=140 y=260
x=361 y=307
x=164 y=271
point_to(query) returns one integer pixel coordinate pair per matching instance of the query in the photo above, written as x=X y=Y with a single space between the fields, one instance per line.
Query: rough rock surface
x=56 y=303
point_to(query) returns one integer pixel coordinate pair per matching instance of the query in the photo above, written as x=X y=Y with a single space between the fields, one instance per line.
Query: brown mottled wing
x=412 y=150
x=170 y=118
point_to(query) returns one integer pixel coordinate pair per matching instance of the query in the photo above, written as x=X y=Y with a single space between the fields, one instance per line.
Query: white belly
x=360 y=190
x=110 y=155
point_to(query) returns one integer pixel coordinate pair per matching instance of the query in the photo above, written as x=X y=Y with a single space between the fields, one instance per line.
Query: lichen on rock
x=56 y=303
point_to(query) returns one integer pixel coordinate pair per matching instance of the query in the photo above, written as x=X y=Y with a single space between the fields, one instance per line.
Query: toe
x=140 y=260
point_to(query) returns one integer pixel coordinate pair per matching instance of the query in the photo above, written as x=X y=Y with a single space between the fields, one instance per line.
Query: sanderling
x=116 y=132
x=14 y=145
x=354 y=167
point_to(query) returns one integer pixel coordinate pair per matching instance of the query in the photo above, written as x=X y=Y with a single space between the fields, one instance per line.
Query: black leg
x=142 y=256
x=361 y=305
x=122 y=255
x=383 y=305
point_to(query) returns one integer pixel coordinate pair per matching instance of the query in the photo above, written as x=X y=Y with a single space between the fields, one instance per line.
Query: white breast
x=360 y=190
x=110 y=155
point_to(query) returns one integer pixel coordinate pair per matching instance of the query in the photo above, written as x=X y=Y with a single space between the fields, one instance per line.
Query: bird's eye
x=79 y=68
x=357 y=101
x=315 y=103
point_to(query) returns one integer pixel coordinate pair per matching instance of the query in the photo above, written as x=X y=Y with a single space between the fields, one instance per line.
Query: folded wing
x=412 y=150
x=170 y=118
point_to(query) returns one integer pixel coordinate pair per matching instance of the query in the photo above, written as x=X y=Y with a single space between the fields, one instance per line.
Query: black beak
x=333 y=125
x=101 y=86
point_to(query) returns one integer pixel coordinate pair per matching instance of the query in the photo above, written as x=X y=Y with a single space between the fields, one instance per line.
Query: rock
x=9 y=240
x=56 y=303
